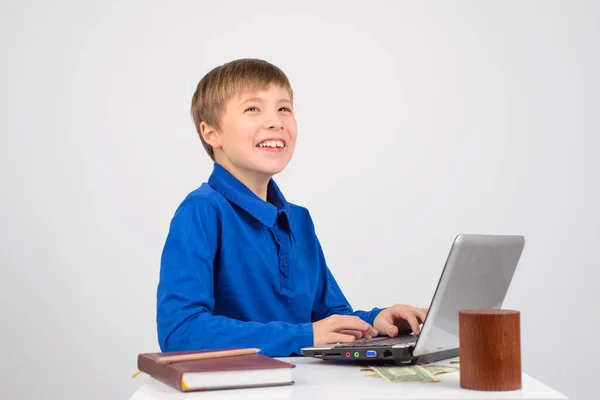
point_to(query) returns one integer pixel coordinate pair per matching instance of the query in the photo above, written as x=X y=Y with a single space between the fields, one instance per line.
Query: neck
x=257 y=183
x=257 y=186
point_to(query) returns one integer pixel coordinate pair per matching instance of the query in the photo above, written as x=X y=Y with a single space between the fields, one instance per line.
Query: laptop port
x=387 y=353
x=371 y=353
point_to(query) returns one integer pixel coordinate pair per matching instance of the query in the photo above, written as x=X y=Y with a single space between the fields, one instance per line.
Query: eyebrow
x=258 y=99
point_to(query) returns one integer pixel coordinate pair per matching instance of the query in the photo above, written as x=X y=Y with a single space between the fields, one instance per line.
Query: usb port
x=371 y=353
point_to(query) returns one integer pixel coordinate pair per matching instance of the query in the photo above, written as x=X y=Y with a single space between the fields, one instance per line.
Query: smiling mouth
x=274 y=144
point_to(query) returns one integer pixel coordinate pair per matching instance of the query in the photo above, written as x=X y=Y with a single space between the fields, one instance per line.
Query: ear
x=210 y=135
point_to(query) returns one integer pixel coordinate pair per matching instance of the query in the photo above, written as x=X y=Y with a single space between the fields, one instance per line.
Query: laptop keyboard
x=381 y=341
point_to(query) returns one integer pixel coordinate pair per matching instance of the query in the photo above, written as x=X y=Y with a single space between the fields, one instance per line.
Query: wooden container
x=490 y=349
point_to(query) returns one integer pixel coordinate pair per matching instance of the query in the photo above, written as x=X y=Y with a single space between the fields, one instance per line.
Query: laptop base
x=377 y=355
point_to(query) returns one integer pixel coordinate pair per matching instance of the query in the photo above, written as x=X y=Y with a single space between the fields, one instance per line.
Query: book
x=202 y=370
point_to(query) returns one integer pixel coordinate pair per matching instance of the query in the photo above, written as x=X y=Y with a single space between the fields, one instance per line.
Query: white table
x=316 y=380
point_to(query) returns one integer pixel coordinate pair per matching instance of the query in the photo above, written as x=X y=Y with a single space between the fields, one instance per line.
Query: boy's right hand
x=341 y=329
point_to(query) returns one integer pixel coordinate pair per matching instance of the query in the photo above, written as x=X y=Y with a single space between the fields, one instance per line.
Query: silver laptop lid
x=477 y=274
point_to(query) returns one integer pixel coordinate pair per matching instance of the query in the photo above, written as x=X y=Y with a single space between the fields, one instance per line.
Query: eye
x=252 y=109
x=285 y=109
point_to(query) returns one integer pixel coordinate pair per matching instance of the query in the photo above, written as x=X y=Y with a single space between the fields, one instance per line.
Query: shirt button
x=285 y=262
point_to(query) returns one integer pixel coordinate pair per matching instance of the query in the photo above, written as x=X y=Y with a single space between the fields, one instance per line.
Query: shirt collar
x=235 y=191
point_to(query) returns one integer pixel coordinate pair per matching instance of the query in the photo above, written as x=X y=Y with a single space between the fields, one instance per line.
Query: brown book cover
x=240 y=371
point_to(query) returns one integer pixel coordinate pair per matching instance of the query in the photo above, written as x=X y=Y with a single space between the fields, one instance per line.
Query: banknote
x=437 y=369
x=408 y=374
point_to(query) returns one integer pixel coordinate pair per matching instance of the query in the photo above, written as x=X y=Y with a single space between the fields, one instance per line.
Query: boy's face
x=258 y=133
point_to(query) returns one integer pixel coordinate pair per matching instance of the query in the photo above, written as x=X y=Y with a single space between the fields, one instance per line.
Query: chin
x=272 y=169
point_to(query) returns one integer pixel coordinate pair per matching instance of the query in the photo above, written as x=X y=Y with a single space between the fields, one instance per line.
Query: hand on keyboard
x=341 y=329
x=382 y=341
x=400 y=318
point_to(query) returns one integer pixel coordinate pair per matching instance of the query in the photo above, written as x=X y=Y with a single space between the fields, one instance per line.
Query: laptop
x=477 y=274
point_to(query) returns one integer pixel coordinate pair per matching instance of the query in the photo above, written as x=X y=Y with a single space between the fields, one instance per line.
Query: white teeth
x=272 y=143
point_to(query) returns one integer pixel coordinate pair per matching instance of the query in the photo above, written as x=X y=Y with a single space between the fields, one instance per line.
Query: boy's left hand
x=400 y=318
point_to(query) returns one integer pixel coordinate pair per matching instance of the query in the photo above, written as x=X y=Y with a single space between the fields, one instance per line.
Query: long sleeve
x=185 y=293
x=330 y=299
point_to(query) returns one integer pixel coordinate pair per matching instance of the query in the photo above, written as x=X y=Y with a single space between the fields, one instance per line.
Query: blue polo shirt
x=237 y=271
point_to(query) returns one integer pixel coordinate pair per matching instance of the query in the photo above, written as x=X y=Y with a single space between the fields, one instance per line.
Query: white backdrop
x=417 y=121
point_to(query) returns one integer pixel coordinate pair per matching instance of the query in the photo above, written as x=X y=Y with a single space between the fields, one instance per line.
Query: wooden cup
x=490 y=349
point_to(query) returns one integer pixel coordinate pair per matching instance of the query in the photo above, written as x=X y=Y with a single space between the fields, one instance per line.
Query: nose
x=273 y=122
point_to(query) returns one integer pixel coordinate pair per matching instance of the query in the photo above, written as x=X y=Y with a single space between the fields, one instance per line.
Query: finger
x=355 y=333
x=414 y=324
x=340 y=338
x=368 y=334
x=393 y=331
x=373 y=332
x=350 y=322
x=388 y=328
x=421 y=314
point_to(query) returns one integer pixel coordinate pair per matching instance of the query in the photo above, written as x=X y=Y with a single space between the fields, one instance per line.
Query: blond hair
x=224 y=82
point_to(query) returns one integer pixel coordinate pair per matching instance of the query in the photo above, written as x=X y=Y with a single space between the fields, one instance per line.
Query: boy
x=242 y=267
